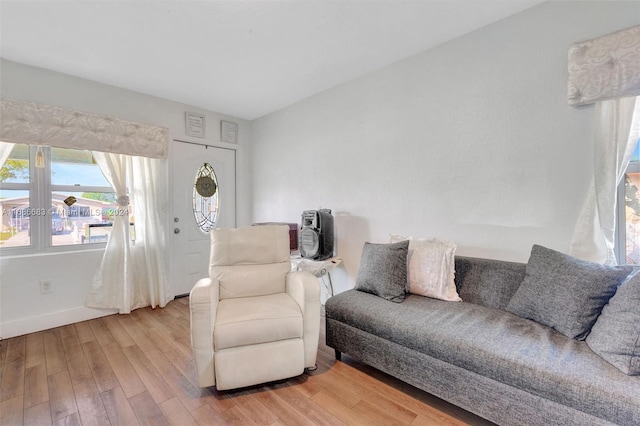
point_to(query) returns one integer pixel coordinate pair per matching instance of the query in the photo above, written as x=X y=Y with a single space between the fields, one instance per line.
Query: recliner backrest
x=250 y=261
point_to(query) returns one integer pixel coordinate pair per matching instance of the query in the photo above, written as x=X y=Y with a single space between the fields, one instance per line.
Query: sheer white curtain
x=133 y=273
x=5 y=150
x=617 y=129
x=148 y=188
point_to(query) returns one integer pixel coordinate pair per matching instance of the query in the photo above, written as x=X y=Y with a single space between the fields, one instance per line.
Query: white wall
x=472 y=141
x=23 y=308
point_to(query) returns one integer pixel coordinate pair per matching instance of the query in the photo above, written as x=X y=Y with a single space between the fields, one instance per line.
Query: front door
x=190 y=245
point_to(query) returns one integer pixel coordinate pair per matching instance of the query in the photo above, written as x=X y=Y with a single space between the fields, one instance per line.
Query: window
x=205 y=198
x=628 y=221
x=66 y=203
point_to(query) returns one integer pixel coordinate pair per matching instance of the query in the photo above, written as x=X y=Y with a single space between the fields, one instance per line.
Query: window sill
x=51 y=251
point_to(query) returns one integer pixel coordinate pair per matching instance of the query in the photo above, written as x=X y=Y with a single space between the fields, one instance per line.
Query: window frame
x=40 y=190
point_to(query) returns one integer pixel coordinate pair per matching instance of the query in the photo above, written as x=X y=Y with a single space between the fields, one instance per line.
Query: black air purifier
x=316 y=235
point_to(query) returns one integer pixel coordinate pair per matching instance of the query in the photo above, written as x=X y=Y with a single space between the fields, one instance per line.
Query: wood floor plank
x=235 y=416
x=307 y=384
x=36 y=386
x=76 y=361
x=378 y=415
x=11 y=411
x=3 y=352
x=100 y=368
x=84 y=331
x=118 y=408
x=38 y=415
x=370 y=386
x=391 y=408
x=152 y=379
x=281 y=408
x=61 y=396
x=172 y=310
x=345 y=394
x=14 y=369
x=184 y=363
x=174 y=328
x=54 y=352
x=161 y=321
x=118 y=332
x=308 y=408
x=124 y=371
x=423 y=420
x=35 y=350
x=219 y=401
x=182 y=304
x=176 y=413
x=71 y=420
x=136 y=333
x=190 y=395
x=3 y=356
x=160 y=337
x=182 y=341
x=248 y=403
x=147 y=411
x=176 y=336
x=102 y=333
x=341 y=411
x=206 y=416
x=90 y=406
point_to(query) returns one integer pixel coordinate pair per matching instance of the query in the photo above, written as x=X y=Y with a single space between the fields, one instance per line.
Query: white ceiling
x=242 y=58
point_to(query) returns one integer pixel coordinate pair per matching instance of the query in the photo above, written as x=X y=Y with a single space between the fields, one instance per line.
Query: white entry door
x=190 y=245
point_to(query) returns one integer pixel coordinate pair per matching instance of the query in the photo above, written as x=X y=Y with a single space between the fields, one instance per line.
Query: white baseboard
x=51 y=320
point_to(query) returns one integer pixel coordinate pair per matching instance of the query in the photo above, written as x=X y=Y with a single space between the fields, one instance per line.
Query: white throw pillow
x=431 y=267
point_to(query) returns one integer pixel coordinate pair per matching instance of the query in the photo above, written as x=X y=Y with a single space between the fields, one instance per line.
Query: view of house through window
x=83 y=203
x=629 y=212
x=15 y=176
x=67 y=202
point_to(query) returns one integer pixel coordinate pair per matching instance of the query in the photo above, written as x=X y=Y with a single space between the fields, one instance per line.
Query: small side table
x=317 y=268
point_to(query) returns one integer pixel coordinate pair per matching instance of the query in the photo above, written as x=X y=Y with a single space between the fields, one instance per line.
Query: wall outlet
x=46 y=286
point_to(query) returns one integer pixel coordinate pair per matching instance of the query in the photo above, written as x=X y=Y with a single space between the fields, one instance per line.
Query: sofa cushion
x=251 y=280
x=383 y=270
x=249 y=245
x=488 y=282
x=498 y=345
x=616 y=334
x=253 y=320
x=431 y=270
x=565 y=293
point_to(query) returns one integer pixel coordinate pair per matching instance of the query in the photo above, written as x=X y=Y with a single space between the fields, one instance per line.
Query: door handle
x=176 y=230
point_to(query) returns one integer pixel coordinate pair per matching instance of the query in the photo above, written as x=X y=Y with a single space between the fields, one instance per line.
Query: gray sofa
x=476 y=355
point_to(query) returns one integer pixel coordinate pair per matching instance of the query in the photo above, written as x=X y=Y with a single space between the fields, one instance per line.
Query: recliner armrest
x=203 y=305
x=304 y=288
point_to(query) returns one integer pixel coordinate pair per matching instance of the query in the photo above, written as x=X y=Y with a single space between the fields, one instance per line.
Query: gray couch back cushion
x=565 y=293
x=488 y=282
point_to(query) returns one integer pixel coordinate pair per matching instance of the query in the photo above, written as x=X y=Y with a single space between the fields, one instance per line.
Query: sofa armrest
x=203 y=305
x=304 y=288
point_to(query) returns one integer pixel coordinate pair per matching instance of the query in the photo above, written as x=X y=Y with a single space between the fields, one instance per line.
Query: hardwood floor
x=137 y=369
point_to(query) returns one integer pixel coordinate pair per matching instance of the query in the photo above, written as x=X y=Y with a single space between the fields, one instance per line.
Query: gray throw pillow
x=565 y=293
x=383 y=270
x=616 y=334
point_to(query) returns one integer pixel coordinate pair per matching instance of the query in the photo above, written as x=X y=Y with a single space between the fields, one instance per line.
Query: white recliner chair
x=253 y=320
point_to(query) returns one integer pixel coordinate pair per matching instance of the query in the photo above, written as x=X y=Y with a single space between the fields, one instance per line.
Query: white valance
x=37 y=124
x=606 y=67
